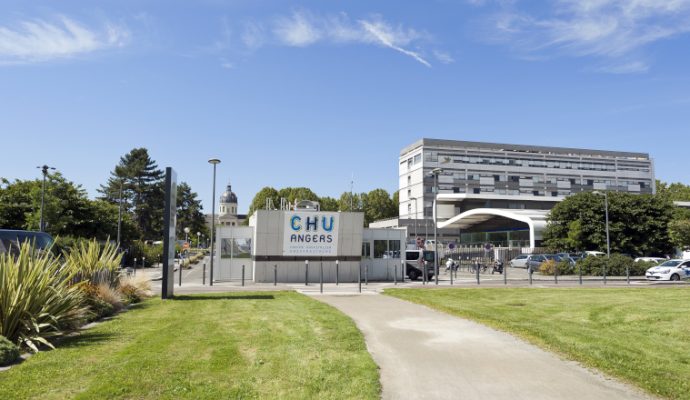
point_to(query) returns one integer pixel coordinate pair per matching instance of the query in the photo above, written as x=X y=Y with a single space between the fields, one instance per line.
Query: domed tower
x=227 y=214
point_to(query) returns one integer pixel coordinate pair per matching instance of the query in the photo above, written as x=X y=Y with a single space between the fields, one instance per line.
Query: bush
x=616 y=266
x=9 y=352
x=37 y=300
x=548 y=267
x=149 y=254
x=90 y=262
x=102 y=301
x=134 y=289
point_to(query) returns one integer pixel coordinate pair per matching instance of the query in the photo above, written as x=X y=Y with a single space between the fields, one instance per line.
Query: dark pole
x=337 y=270
x=608 y=243
x=275 y=275
x=44 y=169
x=215 y=162
x=119 y=217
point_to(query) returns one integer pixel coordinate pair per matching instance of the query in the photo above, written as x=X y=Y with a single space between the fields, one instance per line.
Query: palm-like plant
x=93 y=263
x=38 y=302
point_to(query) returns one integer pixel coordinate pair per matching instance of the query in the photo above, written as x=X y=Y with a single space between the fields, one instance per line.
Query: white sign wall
x=310 y=234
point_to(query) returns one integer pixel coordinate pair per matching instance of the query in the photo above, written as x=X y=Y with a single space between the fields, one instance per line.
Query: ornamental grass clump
x=38 y=301
x=134 y=289
x=9 y=352
x=90 y=262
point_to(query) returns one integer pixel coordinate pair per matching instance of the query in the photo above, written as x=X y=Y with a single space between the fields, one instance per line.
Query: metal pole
x=477 y=268
x=359 y=277
x=555 y=274
x=203 y=279
x=306 y=272
x=435 y=224
x=321 y=276
x=451 y=275
x=119 y=217
x=627 y=274
x=337 y=272
x=275 y=275
x=579 y=269
x=366 y=275
x=180 y=273
x=213 y=224
x=608 y=242
x=242 y=274
x=395 y=274
x=402 y=269
x=415 y=220
x=44 y=169
x=505 y=274
x=530 y=274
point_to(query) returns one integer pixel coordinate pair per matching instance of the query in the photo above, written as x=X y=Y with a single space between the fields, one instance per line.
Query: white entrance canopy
x=535 y=220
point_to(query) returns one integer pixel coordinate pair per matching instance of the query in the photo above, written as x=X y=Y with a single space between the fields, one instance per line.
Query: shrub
x=37 y=300
x=9 y=352
x=134 y=289
x=102 y=301
x=548 y=267
x=616 y=266
x=93 y=263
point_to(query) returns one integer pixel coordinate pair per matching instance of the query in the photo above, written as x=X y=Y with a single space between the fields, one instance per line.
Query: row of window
x=382 y=249
x=433 y=156
x=412 y=161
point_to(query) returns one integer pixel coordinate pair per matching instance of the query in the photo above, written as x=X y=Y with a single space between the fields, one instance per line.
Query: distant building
x=226 y=214
x=502 y=193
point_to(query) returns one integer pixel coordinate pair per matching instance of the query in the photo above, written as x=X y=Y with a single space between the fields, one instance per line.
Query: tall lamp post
x=214 y=162
x=44 y=169
x=186 y=235
x=436 y=172
x=606 y=212
x=198 y=240
x=415 y=217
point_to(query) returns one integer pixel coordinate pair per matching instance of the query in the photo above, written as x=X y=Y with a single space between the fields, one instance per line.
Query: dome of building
x=228 y=196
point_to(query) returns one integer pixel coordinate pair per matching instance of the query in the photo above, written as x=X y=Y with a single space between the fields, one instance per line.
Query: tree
x=679 y=231
x=189 y=212
x=638 y=224
x=67 y=211
x=142 y=191
x=675 y=192
x=350 y=202
x=259 y=200
x=329 y=204
x=377 y=205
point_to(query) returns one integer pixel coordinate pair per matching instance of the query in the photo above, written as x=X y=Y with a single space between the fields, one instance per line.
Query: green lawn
x=640 y=335
x=243 y=345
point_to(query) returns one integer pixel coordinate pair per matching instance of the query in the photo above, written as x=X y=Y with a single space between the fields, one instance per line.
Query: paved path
x=425 y=354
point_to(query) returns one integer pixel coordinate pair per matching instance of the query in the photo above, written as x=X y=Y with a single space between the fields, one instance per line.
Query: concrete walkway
x=425 y=354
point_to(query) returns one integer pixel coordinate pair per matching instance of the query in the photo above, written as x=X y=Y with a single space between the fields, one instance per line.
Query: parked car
x=10 y=240
x=519 y=261
x=657 y=260
x=671 y=270
x=594 y=253
x=415 y=260
x=572 y=257
x=534 y=261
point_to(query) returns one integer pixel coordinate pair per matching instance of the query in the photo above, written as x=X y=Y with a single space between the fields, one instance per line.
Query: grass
x=240 y=346
x=639 y=335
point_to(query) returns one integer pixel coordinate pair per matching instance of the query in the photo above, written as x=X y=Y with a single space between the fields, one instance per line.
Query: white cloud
x=302 y=29
x=443 y=57
x=611 y=29
x=40 y=40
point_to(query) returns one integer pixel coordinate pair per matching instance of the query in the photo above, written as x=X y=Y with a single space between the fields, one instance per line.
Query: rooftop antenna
x=352 y=184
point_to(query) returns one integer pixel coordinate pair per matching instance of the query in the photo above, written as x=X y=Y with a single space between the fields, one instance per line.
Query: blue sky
x=309 y=93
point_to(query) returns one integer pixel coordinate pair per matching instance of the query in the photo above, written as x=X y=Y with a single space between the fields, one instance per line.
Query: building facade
x=508 y=177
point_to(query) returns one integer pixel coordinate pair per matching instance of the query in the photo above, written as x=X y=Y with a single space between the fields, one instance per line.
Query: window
x=366 y=250
x=409 y=163
x=409 y=180
x=380 y=248
x=476 y=190
x=409 y=209
x=417 y=159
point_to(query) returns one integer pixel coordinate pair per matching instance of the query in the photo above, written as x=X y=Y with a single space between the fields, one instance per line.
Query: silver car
x=519 y=261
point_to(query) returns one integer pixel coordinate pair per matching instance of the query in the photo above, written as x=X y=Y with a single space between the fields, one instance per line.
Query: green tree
x=67 y=211
x=329 y=204
x=675 y=192
x=350 y=202
x=378 y=204
x=259 y=200
x=189 y=212
x=638 y=224
x=679 y=231
x=142 y=191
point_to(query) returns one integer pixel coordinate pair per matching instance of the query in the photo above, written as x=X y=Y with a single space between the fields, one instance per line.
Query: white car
x=671 y=270
x=657 y=260
x=519 y=261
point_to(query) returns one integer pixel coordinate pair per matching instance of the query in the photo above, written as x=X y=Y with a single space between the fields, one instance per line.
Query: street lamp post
x=436 y=172
x=44 y=169
x=198 y=240
x=214 y=162
x=415 y=217
x=186 y=235
x=606 y=213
